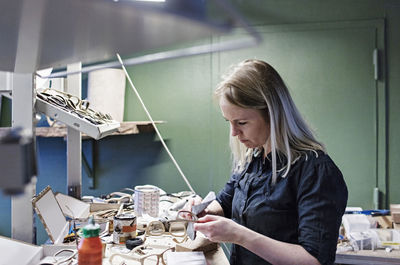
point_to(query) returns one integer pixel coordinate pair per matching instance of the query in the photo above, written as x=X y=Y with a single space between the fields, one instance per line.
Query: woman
x=285 y=199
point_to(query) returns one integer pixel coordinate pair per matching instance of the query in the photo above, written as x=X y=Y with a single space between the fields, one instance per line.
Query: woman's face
x=249 y=125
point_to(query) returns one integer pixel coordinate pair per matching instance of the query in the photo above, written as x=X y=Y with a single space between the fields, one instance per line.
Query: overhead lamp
x=143 y=0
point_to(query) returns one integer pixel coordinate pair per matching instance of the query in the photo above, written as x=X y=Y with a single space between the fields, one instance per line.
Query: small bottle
x=90 y=247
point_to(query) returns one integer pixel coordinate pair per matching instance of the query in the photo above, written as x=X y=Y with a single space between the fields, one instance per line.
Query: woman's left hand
x=218 y=229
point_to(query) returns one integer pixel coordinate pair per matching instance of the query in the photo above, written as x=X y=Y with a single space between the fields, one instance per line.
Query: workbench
x=369 y=257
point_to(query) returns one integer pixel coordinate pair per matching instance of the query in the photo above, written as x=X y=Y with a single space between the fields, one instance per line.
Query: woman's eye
x=242 y=123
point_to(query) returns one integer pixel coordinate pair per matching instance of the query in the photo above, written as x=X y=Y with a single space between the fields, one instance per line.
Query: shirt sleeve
x=322 y=197
x=225 y=196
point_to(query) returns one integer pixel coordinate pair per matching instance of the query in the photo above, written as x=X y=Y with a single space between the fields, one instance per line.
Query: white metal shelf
x=126 y=128
x=74 y=121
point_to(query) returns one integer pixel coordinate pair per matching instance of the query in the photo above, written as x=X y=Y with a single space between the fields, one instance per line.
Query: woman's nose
x=234 y=130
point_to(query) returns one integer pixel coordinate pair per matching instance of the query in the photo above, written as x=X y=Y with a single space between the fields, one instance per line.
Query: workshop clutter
x=395 y=212
x=148 y=235
x=144 y=254
x=368 y=230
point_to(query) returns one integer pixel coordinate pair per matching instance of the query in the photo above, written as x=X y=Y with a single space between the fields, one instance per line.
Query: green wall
x=5 y=117
x=179 y=91
x=392 y=13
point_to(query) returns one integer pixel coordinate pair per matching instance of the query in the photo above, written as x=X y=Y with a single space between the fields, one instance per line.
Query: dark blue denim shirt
x=305 y=207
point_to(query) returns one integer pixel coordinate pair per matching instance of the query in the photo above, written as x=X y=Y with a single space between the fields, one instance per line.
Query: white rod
x=165 y=55
x=154 y=125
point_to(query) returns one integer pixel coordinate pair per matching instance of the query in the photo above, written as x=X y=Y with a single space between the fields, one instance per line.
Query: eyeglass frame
x=63 y=259
x=178 y=219
x=80 y=104
x=193 y=215
x=80 y=108
x=164 y=232
x=141 y=259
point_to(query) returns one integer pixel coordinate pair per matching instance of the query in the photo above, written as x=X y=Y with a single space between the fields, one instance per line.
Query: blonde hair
x=254 y=84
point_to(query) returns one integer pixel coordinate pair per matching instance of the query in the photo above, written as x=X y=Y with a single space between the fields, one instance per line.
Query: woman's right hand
x=219 y=229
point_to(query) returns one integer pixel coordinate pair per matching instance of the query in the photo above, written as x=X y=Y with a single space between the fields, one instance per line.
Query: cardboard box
x=50 y=214
x=395 y=211
x=385 y=221
x=53 y=209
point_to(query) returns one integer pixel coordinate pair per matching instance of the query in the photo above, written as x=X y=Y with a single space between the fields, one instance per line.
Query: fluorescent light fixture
x=148 y=0
x=143 y=1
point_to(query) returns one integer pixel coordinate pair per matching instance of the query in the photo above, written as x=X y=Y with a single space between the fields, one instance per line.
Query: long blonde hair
x=254 y=84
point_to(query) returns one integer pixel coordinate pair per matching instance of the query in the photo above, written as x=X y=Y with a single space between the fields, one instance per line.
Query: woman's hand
x=219 y=229
x=191 y=202
x=195 y=201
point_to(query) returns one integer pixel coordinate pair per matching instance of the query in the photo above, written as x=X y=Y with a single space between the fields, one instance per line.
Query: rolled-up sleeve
x=322 y=197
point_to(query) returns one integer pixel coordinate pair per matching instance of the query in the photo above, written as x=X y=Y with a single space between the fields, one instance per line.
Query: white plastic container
x=147 y=200
x=355 y=223
x=387 y=238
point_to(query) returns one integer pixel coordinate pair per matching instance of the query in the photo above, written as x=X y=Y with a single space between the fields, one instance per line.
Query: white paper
x=353 y=209
x=41 y=82
x=72 y=207
x=17 y=252
x=186 y=258
x=106 y=92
